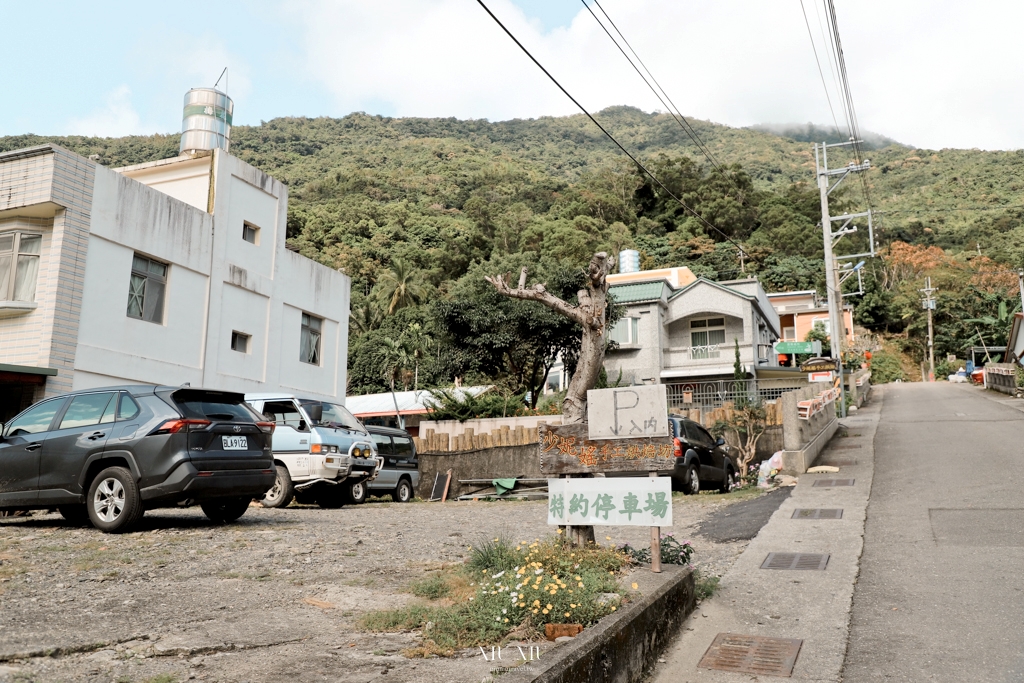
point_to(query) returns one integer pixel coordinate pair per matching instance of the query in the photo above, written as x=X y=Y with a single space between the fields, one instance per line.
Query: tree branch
x=539 y=293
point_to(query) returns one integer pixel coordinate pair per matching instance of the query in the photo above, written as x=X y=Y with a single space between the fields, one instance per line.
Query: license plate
x=235 y=443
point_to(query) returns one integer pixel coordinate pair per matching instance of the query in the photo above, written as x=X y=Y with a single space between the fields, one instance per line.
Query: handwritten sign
x=627 y=412
x=566 y=449
x=622 y=501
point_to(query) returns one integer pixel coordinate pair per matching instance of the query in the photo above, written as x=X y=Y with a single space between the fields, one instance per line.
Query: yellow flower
x=506 y=618
x=542 y=611
x=522 y=604
x=536 y=603
x=580 y=584
x=484 y=571
x=613 y=608
x=566 y=614
x=534 y=611
x=635 y=586
x=495 y=540
x=549 y=606
x=572 y=604
x=608 y=538
x=578 y=578
x=612 y=573
x=553 y=591
x=559 y=531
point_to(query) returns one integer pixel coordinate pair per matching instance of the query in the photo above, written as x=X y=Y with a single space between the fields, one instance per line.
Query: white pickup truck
x=322 y=453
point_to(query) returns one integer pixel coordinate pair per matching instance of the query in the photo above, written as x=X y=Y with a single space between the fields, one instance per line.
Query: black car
x=107 y=455
x=700 y=459
x=400 y=473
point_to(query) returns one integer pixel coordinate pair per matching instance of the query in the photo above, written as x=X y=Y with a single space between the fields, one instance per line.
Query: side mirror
x=315 y=411
x=720 y=442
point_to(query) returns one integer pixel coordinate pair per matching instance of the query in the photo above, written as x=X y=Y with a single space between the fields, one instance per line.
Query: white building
x=163 y=273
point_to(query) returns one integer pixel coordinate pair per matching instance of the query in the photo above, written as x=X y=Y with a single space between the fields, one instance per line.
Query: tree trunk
x=591 y=316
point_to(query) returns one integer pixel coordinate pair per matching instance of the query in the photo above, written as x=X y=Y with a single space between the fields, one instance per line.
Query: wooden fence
x=469 y=440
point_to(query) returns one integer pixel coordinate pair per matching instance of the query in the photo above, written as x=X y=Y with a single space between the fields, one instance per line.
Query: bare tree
x=590 y=314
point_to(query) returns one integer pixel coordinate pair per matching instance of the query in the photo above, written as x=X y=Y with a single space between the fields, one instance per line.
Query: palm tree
x=418 y=342
x=400 y=286
x=394 y=359
x=365 y=317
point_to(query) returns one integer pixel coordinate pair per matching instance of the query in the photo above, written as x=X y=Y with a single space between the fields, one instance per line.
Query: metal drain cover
x=818 y=513
x=752 y=654
x=833 y=482
x=812 y=561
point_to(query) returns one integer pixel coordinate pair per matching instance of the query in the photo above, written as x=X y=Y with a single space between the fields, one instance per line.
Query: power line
x=605 y=131
x=670 y=105
x=818 y=61
x=950 y=210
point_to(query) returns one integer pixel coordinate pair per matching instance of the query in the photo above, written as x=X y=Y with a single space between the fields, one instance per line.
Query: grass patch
x=507 y=590
x=705 y=585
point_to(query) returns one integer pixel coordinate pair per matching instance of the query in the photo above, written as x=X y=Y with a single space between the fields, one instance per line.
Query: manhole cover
x=812 y=561
x=833 y=482
x=840 y=462
x=818 y=513
x=847 y=447
x=752 y=654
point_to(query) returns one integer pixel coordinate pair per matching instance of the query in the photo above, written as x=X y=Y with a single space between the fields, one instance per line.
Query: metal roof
x=637 y=292
x=409 y=402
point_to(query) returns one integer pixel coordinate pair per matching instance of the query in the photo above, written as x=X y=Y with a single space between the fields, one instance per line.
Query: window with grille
x=146 y=289
x=19 y=265
x=309 y=345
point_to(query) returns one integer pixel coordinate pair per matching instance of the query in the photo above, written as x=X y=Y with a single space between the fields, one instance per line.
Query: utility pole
x=929 y=303
x=1020 y=281
x=833 y=284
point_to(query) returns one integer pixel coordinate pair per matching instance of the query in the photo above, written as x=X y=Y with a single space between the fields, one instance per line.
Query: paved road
x=940 y=595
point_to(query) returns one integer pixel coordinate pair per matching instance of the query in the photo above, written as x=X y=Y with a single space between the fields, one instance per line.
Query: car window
x=217 y=410
x=403 y=446
x=695 y=435
x=383 y=442
x=337 y=415
x=127 y=408
x=89 y=409
x=283 y=413
x=705 y=436
x=36 y=420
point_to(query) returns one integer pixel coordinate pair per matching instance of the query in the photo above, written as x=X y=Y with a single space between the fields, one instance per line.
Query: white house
x=168 y=272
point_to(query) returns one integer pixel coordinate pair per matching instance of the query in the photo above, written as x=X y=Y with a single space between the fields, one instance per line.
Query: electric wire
x=817 y=60
x=636 y=161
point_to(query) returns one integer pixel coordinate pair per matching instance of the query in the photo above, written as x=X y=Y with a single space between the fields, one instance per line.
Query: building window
x=625 y=331
x=146 y=289
x=19 y=265
x=250 y=233
x=706 y=337
x=240 y=342
x=309 y=346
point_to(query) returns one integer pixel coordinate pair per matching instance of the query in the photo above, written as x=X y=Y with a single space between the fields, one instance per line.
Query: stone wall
x=485 y=463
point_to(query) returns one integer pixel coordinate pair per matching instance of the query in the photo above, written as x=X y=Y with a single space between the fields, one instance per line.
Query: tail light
x=677 y=448
x=266 y=427
x=175 y=426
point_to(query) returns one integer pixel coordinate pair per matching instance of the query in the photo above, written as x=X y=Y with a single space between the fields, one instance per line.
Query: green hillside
x=422 y=207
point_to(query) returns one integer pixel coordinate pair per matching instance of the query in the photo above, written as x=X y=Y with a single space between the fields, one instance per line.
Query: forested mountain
x=417 y=210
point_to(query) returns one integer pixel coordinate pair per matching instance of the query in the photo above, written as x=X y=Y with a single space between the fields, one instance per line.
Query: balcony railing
x=705 y=352
x=713 y=394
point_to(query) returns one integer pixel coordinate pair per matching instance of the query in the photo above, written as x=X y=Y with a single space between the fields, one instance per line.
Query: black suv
x=106 y=455
x=400 y=474
x=700 y=458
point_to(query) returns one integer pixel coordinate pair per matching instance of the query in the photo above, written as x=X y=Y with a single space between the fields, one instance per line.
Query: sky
x=934 y=74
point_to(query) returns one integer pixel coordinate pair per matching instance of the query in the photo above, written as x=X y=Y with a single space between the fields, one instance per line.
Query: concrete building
x=163 y=273
x=685 y=335
x=800 y=311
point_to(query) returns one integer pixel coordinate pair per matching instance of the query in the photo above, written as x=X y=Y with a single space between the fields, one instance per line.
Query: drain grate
x=809 y=561
x=752 y=654
x=840 y=462
x=818 y=513
x=847 y=447
x=833 y=482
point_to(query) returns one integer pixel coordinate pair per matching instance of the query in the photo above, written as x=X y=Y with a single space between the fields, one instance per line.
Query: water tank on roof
x=206 y=120
x=629 y=261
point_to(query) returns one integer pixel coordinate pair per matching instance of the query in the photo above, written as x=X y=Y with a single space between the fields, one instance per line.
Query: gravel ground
x=272 y=597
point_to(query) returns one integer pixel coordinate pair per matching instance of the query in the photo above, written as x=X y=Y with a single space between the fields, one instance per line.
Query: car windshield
x=337 y=416
x=214 y=406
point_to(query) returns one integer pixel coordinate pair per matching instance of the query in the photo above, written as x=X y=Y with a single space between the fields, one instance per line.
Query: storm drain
x=824 y=483
x=811 y=561
x=818 y=513
x=752 y=654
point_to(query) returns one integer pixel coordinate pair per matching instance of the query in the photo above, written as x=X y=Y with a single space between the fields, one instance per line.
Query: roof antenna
x=226 y=82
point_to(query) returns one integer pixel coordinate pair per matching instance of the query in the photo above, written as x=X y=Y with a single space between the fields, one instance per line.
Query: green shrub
x=433 y=587
x=885 y=367
x=672 y=551
x=495 y=556
x=449 y=404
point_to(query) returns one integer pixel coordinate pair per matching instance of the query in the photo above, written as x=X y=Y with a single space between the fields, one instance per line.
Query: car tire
x=282 y=492
x=357 y=493
x=114 y=504
x=691 y=480
x=76 y=515
x=728 y=483
x=402 y=492
x=331 y=496
x=224 y=510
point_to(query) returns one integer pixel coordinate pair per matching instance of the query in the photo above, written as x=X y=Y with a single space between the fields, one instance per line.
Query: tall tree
x=400 y=286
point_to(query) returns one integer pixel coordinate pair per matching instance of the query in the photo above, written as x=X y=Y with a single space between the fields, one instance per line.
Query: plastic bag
x=763 y=473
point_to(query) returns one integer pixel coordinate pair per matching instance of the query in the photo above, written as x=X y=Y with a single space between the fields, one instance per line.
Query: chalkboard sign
x=440 y=490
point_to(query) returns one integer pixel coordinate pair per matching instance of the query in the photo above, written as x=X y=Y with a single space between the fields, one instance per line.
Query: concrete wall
x=804 y=439
x=489 y=463
x=1001 y=377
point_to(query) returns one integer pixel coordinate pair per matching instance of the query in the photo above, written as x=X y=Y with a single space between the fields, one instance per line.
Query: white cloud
x=937 y=74
x=115 y=118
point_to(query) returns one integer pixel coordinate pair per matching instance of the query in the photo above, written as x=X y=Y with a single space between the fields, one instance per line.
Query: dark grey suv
x=107 y=455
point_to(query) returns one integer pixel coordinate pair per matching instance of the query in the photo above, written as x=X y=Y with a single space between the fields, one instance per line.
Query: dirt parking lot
x=275 y=596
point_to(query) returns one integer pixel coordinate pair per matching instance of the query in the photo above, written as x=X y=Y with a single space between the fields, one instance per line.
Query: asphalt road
x=940 y=596
x=742 y=521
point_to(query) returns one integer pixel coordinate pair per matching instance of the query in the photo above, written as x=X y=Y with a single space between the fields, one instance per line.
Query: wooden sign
x=566 y=449
x=819 y=365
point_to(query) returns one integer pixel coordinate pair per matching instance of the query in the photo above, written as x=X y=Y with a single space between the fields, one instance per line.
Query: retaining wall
x=484 y=463
x=803 y=439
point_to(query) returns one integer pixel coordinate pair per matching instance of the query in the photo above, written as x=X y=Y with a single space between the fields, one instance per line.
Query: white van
x=321 y=451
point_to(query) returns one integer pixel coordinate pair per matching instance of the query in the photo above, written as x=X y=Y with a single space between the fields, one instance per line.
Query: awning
x=24 y=374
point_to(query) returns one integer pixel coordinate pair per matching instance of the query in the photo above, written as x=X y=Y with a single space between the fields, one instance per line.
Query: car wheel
x=77 y=515
x=402 y=492
x=114 y=504
x=691 y=480
x=224 y=510
x=282 y=492
x=331 y=496
x=729 y=483
x=357 y=493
